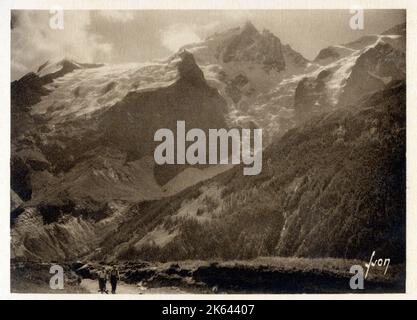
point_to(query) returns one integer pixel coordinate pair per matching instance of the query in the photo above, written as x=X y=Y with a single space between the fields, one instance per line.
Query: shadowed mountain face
x=77 y=164
x=84 y=182
x=109 y=140
x=332 y=188
x=131 y=124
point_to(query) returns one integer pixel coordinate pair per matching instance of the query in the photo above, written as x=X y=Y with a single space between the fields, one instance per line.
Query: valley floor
x=268 y=275
x=91 y=286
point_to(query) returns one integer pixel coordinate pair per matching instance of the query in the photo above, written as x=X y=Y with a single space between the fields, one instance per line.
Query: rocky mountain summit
x=252 y=46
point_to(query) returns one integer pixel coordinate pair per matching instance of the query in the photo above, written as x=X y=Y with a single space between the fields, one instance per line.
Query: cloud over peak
x=177 y=35
x=34 y=41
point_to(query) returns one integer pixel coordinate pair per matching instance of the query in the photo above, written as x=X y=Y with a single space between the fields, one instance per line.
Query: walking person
x=114 y=277
x=102 y=279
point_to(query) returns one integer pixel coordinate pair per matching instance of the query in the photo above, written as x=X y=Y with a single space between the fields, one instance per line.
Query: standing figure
x=102 y=279
x=114 y=277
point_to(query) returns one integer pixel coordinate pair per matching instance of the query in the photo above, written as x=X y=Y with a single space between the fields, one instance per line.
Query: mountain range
x=84 y=184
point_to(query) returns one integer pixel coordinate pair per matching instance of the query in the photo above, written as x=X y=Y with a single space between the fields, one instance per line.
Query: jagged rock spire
x=189 y=70
x=249 y=28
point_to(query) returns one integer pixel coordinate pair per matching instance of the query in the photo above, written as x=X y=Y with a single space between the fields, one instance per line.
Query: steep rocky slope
x=251 y=69
x=332 y=188
x=350 y=71
x=85 y=148
x=90 y=135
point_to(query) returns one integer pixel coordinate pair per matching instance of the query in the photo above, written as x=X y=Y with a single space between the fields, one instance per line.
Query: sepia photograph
x=208 y=151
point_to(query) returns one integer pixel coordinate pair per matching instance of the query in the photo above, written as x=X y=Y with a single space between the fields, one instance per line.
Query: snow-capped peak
x=55 y=65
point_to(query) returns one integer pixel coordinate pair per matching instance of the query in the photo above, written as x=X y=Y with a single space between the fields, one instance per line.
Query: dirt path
x=91 y=286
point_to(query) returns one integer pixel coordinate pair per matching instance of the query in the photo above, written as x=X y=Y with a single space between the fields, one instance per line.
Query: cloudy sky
x=136 y=36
